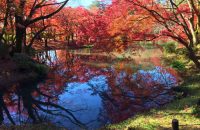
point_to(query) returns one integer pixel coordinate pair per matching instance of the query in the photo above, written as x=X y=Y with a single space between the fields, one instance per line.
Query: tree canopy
x=112 y=26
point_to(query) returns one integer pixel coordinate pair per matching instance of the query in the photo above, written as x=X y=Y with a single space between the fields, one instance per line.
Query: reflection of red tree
x=118 y=105
x=122 y=105
x=156 y=61
x=123 y=99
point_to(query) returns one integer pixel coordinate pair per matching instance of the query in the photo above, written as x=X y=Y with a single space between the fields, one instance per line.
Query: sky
x=76 y=3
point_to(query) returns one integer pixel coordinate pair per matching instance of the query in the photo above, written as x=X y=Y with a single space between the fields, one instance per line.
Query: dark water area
x=87 y=90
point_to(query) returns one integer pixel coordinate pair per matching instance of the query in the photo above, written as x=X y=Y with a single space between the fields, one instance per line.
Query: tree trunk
x=20 y=27
x=68 y=40
x=54 y=35
x=1 y=109
x=194 y=58
x=72 y=36
x=20 y=34
x=20 y=38
x=46 y=43
x=5 y=23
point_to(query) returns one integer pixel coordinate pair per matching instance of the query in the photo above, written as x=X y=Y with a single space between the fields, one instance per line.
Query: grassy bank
x=185 y=109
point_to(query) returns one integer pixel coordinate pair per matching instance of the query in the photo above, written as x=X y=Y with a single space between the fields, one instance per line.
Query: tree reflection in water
x=32 y=103
x=95 y=88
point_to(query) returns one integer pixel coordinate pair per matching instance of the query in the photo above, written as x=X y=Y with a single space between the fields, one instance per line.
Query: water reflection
x=87 y=91
x=25 y=104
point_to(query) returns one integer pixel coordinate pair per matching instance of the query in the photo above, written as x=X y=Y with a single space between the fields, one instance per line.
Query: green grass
x=183 y=109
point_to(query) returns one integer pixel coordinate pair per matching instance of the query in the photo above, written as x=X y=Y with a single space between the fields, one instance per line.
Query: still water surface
x=89 y=90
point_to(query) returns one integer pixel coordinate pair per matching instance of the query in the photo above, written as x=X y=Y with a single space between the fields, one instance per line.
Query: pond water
x=86 y=90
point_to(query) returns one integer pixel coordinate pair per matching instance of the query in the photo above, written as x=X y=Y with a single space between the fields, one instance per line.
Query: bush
x=30 y=51
x=196 y=110
x=147 y=45
x=26 y=64
x=178 y=65
x=170 y=47
x=182 y=51
x=41 y=69
x=4 y=50
x=23 y=61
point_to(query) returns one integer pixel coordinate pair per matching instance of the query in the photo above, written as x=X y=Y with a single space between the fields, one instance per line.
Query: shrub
x=23 y=61
x=41 y=69
x=26 y=64
x=170 y=47
x=4 y=50
x=196 y=110
x=178 y=65
x=149 y=45
x=30 y=51
x=181 y=51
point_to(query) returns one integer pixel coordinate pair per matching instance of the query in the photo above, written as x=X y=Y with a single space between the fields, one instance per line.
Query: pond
x=87 y=90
